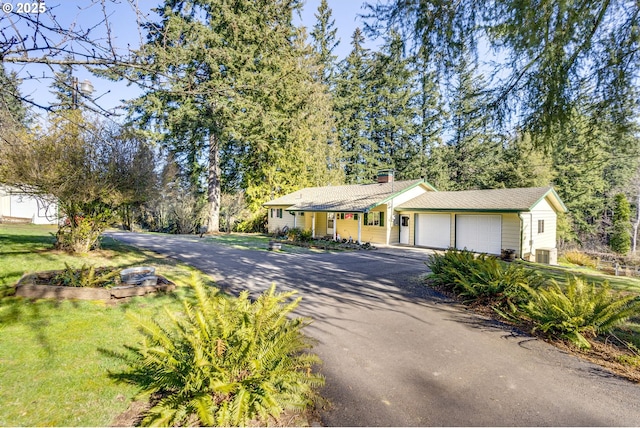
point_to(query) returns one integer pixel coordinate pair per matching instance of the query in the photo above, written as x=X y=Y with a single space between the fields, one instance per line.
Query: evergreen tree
x=525 y=165
x=555 y=52
x=474 y=153
x=620 y=240
x=13 y=113
x=428 y=161
x=63 y=89
x=324 y=42
x=393 y=113
x=579 y=160
x=352 y=106
x=222 y=78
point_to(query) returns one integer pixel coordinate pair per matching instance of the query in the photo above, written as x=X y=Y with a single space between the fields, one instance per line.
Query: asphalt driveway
x=397 y=354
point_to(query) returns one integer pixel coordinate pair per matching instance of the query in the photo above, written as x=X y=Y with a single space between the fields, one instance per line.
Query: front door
x=404 y=229
x=330 y=223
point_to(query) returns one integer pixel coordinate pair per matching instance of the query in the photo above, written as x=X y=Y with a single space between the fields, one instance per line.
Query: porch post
x=360 y=219
x=313 y=225
x=335 y=225
x=295 y=218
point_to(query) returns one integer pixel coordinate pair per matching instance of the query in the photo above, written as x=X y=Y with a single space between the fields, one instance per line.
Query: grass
x=559 y=273
x=256 y=241
x=51 y=369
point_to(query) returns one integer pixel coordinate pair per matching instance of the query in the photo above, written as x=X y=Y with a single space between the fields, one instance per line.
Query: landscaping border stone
x=28 y=288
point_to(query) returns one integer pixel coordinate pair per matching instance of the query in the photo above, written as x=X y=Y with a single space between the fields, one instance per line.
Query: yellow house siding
x=321 y=224
x=347 y=228
x=376 y=234
x=394 y=234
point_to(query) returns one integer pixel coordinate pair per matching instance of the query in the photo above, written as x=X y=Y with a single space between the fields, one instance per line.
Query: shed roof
x=349 y=198
x=520 y=199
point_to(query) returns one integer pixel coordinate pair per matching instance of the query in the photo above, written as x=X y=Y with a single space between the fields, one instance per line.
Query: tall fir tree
x=428 y=161
x=473 y=151
x=324 y=43
x=222 y=75
x=393 y=113
x=353 y=102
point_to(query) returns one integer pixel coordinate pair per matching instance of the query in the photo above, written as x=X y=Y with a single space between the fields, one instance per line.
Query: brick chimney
x=385 y=176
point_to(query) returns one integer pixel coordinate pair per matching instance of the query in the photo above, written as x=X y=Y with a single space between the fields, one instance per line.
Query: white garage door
x=479 y=233
x=433 y=230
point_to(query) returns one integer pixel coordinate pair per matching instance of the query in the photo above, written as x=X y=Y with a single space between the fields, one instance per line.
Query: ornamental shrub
x=223 y=361
x=579 y=311
x=620 y=240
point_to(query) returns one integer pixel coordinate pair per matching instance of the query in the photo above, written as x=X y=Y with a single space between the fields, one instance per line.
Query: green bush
x=620 y=240
x=299 y=235
x=483 y=277
x=224 y=361
x=256 y=224
x=579 y=312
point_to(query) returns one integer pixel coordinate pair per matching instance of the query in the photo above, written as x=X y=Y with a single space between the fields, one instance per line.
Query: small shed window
x=540 y=226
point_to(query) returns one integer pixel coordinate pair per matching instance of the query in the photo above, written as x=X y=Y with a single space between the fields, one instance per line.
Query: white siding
x=545 y=213
x=20 y=205
x=511 y=232
x=278 y=223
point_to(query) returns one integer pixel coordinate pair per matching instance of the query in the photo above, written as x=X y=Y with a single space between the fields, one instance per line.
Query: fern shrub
x=224 y=361
x=483 y=278
x=578 y=312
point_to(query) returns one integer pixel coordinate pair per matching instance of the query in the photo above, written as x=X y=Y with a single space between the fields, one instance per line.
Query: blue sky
x=83 y=13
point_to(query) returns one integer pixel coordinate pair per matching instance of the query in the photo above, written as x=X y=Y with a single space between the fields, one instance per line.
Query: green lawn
x=51 y=369
x=559 y=273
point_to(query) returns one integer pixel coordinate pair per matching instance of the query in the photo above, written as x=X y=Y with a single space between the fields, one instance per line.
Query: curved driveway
x=397 y=354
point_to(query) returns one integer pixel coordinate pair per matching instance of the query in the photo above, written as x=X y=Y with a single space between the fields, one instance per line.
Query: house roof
x=349 y=198
x=515 y=200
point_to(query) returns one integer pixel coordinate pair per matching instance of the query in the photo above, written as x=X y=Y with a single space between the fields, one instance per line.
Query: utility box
x=547 y=256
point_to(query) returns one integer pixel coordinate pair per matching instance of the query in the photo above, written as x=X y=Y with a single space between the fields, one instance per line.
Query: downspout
x=521 y=236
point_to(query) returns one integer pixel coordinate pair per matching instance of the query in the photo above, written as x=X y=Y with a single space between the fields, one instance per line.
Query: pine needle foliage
x=223 y=361
x=578 y=311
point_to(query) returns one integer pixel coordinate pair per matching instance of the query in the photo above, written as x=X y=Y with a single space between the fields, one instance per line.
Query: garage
x=433 y=230
x=479 y=233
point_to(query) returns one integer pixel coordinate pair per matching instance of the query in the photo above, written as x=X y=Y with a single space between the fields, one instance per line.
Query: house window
x=375 y=218
x=540 y=226
x=272 y=212
x=279 y=213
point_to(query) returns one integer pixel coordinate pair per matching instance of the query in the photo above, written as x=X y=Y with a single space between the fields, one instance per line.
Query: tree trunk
x=213 y=189
x=636 y=224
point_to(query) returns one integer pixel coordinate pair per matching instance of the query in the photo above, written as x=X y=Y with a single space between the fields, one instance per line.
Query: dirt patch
x=136 y=412
x=133 y=415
